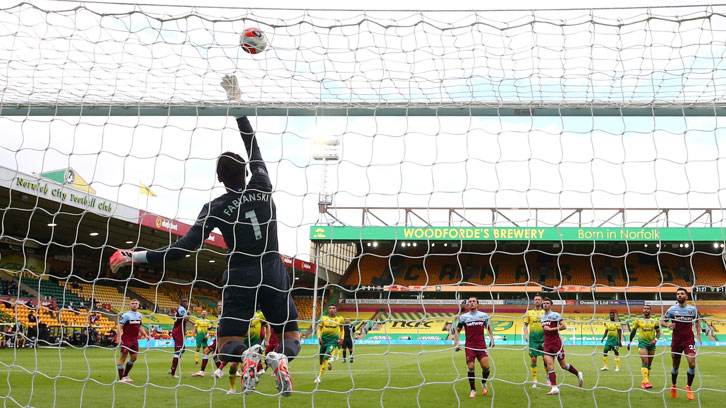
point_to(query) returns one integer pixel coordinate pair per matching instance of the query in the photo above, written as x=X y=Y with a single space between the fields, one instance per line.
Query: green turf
x=399 y=376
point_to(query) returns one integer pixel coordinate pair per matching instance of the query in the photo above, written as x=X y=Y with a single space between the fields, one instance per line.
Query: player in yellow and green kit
x=252 y=357
x=201 y=334
x=534 y=335
x=330 y=335
x=648 y=331
x=254 y=335
x=614 y=335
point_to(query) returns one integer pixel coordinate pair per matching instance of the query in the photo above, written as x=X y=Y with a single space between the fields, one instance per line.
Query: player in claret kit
x=683 y=319
x=552 y=324
x=130 y=327
x=178 y=333
x=474 y=323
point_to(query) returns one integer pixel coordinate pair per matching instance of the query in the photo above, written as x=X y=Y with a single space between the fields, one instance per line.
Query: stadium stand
x=158 y=319
x=207 y=303
x=64 y=318
x=50 y=289
x=159 y=297
x=100 y=293
x=635 y=269
x=11 y=288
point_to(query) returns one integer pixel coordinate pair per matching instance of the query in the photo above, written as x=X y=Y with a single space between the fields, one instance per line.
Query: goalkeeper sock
x=690 y=374
x=674 y=376
x=644 y=371
x=120 y=369
x=233 y=378
x=471 y=374
x=617 y=362
x=484 y=375
x=605 y=359
x=533 y=368
x=205 y=360
x=129 y=366
x=290 y=348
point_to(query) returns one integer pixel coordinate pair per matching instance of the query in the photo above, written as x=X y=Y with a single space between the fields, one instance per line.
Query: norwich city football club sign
x=330 y=233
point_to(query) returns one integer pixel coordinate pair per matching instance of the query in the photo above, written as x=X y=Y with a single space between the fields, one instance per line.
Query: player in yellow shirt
x=534 y=335
x=254 y=335
x=201 y=334
x=648 y=331
x=330 y=335
x=252 y=357
x=614 y=334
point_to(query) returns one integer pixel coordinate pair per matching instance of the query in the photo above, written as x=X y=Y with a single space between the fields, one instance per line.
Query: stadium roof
x=41 y=211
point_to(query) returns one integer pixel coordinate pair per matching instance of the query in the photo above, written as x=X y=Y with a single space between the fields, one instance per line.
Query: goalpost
x=112 y=118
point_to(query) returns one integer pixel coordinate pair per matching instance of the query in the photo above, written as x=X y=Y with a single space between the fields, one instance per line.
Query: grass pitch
x=395 y=376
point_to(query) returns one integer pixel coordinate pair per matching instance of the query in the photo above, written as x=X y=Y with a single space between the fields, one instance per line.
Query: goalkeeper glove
x=125 y=257
x=231 y=86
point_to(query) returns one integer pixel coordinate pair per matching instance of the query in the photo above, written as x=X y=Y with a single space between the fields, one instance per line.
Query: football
x=253 y=40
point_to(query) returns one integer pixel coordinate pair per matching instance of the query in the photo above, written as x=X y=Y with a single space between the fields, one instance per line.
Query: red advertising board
x=160 y=223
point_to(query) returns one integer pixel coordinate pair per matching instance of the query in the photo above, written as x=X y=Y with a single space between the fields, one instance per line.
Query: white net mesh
x=171 y=55
x=103 y=104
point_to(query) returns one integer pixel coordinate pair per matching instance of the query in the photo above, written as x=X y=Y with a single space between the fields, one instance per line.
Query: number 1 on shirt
x=250 y=215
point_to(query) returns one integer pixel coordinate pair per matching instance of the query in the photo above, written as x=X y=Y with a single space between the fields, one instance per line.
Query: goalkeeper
x=247 y=217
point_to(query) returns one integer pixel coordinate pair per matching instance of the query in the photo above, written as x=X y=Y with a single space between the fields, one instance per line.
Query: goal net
x=418 y=159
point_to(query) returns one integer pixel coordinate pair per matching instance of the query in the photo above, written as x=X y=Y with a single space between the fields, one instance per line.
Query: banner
x=175 y=227
x=66 y=192
x=341 y=233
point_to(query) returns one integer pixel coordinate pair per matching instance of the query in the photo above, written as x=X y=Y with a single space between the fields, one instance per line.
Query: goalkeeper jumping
x=246 y=216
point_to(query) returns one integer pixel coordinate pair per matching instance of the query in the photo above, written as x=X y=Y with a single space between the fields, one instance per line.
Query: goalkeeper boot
x=283 y=381
x=689 y=392
x=484 y=390
x=673 y=391
x=472 y=394
x=250 y=359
